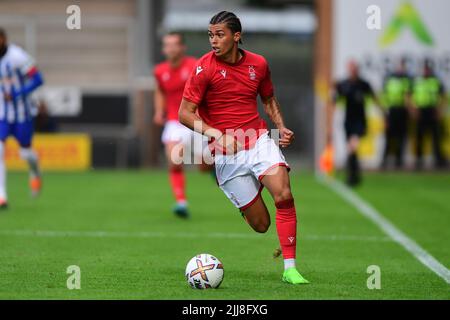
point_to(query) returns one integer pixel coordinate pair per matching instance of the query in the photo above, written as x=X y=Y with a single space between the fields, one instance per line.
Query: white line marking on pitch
x=184 y=235
x=387 y=227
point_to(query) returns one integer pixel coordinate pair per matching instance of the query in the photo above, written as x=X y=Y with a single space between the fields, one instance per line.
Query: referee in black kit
x=354 y=92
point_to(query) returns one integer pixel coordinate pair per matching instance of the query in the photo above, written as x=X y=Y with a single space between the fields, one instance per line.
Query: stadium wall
x=95 y=77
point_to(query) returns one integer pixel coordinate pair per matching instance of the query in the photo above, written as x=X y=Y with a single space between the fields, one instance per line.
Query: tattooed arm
x=272 y=109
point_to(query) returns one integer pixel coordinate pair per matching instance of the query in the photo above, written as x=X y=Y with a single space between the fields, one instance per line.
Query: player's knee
x=261 y=226
x=283 y=195
x=24 y=153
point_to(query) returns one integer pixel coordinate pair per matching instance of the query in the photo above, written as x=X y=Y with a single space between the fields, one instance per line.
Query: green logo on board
x=406 y=17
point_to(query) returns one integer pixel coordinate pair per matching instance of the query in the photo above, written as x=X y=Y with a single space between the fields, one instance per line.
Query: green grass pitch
x=119 y=229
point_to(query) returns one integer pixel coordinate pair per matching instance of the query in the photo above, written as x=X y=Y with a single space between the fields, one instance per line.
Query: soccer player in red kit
x=171 y=77
x=223 y=87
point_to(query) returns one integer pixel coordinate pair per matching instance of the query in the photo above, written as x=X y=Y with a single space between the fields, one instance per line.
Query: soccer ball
x=204 y=271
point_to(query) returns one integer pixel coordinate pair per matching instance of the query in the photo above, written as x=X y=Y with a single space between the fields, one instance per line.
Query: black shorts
x=355 y=128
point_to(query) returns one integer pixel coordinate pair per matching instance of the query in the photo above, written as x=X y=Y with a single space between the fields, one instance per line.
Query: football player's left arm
x=273 y=110
x=32 y=77
x=33 y=80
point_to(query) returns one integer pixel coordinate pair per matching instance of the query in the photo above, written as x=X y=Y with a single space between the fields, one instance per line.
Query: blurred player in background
x=429 y=101
x=354 y=92
x=396 y=94
x=171 y=77
x=224 y=87
x=19 y=78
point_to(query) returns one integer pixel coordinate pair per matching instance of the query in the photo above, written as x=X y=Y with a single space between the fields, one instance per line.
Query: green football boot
x=292 y=276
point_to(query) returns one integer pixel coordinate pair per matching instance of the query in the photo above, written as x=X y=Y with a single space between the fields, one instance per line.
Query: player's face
x=173 y=48
x=222 y=39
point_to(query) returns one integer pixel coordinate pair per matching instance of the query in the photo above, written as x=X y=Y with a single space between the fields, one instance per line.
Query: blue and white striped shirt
x=15 y=68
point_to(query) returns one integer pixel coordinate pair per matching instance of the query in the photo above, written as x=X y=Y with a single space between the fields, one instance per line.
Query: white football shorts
x=239 y=175
x=192 y=141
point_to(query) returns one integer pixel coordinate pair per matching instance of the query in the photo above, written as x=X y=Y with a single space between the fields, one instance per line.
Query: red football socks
x=176 y=177
x=286 y=221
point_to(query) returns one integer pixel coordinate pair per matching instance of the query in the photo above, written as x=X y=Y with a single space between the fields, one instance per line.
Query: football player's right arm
x=160 y=106
x=193 y=95
x=194 y=92
x=188 y=116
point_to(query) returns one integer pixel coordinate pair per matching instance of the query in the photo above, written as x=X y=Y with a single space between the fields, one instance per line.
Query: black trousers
x=396 y=133
x=428 y=122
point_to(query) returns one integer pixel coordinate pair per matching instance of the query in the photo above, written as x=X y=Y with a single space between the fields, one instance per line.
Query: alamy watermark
x=373 y=21
x=226 y=148
x=374 y=280
x=74 y=280
x=73 y=21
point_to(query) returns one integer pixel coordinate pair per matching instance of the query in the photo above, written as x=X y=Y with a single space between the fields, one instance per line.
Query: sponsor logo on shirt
x=223 y=73
x=198 y=70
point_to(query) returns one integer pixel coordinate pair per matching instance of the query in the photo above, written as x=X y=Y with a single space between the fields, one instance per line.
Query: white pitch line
x=184 y=235
x=387 y=227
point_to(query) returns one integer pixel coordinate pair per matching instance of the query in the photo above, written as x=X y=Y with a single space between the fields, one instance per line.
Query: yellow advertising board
x=59 y=152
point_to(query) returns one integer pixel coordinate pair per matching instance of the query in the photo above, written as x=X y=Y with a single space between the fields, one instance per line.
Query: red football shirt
x=226 y=94
x=172 y=81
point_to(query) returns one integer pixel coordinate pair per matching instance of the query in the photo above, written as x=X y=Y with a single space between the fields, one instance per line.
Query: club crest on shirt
x=223 y=73
x=251 y=72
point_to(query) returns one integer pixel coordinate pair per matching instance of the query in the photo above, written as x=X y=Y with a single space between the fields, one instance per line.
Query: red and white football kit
x=171 y=81
x=226 y=95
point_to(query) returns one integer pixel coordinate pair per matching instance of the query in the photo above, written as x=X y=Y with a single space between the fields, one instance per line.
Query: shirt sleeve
x=196 y=84
x=25 y=63
x=265 y=89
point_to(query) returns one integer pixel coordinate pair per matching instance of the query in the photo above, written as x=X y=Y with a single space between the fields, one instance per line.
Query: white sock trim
x=289 y=263
x=30 y=156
